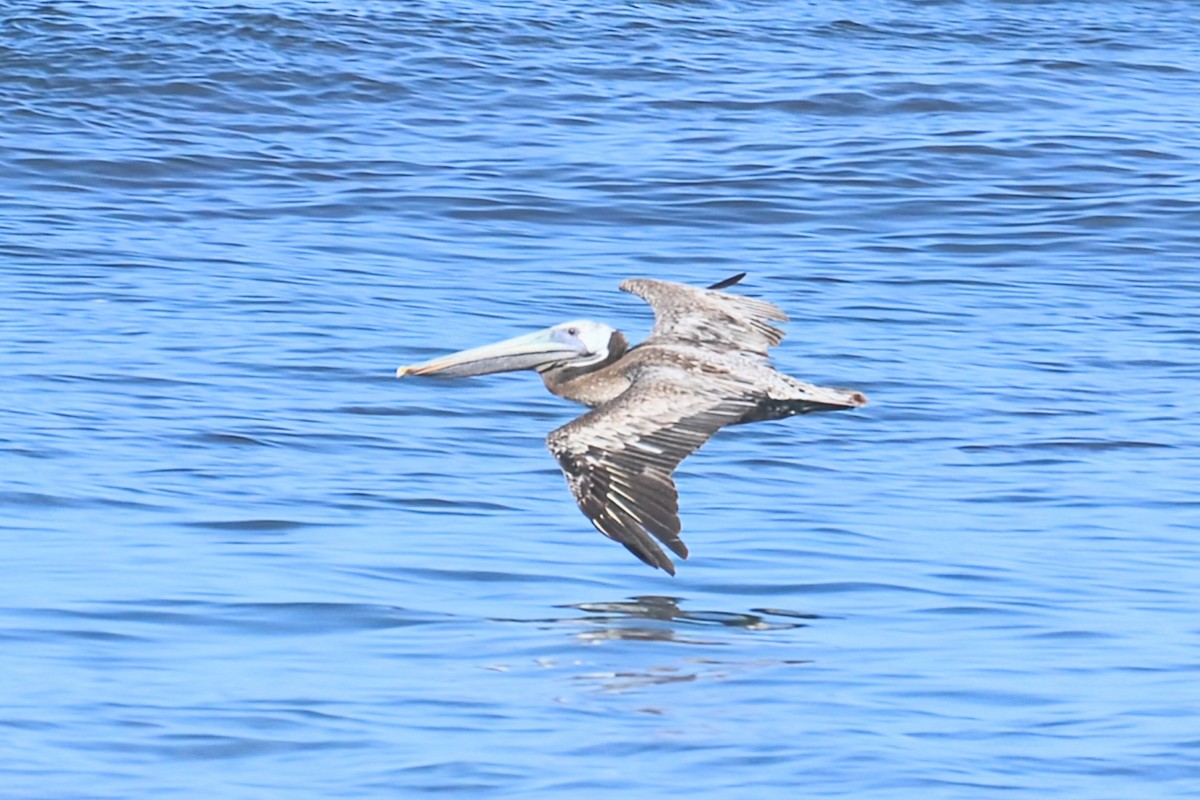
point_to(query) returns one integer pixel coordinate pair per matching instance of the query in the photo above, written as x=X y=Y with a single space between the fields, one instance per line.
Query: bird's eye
x=573 y=331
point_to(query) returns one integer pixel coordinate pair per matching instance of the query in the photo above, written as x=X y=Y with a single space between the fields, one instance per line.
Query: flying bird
x=704 y=366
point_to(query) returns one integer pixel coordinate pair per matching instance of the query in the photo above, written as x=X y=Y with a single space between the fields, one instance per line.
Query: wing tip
x=663 y=562
x=638 y=542
x=726 y=283
x=632 y=284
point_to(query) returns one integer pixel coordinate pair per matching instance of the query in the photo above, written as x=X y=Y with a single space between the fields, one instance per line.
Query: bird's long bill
x=521 y=352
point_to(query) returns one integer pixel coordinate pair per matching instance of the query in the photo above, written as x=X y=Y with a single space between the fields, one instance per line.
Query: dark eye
x=573 y=331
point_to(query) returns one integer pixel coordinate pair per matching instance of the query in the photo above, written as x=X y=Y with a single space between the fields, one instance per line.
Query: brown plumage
x=619 y=458
x=704 y=366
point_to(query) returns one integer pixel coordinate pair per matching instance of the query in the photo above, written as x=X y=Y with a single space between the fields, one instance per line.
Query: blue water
x=240 y=560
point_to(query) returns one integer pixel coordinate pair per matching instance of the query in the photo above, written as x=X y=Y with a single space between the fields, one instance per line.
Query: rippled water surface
x=240 y=560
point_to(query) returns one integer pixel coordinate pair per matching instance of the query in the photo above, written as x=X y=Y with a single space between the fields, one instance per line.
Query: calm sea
x=238 y=559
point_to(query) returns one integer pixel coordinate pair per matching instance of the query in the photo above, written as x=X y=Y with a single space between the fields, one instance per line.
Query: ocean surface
x=238 y=559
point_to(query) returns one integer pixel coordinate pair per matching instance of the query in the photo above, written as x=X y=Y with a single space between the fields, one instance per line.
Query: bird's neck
x=591 y=384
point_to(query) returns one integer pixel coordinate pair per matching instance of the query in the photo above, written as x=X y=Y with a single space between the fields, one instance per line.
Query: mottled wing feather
x=618 y=459
x=709 y=318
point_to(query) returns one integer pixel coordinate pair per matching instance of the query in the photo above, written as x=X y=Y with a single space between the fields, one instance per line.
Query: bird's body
x=703 y=367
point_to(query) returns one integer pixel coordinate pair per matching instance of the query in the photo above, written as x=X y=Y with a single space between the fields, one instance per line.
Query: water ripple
x=231 y=538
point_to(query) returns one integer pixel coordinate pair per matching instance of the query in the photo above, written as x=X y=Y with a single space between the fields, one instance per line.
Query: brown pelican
x=703 y=367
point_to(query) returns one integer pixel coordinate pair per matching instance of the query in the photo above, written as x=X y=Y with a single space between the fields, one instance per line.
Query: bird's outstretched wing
x=618 y=458
x=708 y=317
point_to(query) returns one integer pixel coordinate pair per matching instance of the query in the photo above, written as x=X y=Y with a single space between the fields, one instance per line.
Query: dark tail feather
x=728 y=282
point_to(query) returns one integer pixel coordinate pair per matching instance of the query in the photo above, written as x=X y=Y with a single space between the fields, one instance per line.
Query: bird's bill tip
x=427 y=368
x=828 y=398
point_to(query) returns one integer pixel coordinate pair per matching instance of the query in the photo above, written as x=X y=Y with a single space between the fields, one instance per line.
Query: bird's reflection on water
x=660 y=618
x=613 y=619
